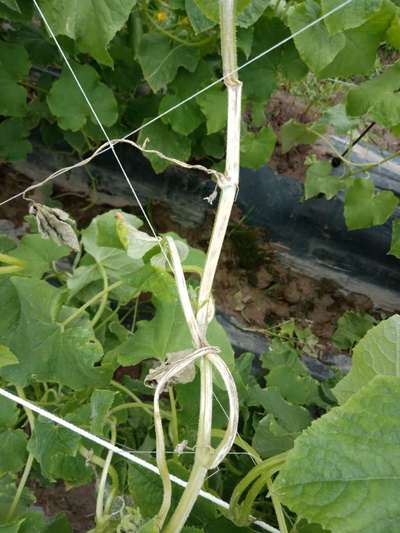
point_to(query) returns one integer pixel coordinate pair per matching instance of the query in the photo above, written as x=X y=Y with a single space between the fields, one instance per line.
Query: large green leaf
x=47 y=351
x=166 y=141
x=364 y=208
x=67 y=103
x=359 y=53
x=316 y=46
x=7 y=492
x=91 y=23
x=344 y=471
x=351 y=327
x=350 y=16
x=56 y=450
x=12 y=4
x=252 y=12
x=160 y=59
x=197 y=18
x=293 y=133
x=38 y=254
x=14 y=67
x=378 y=353
x=256 y=149
x=379 y=97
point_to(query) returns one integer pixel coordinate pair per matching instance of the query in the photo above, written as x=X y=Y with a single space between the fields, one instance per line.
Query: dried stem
x=204 y=458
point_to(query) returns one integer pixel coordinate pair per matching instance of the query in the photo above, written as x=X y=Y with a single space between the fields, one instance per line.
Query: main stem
x=203 y=445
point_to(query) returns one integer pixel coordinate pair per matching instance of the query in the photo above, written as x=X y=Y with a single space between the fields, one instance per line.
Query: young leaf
x=6 y=358
x=160 y=59
x=316 y=46
x=393 y=33
x=92 y=24
x=257 y=148
x=364 y=208
x=376 y=354
x=337 y=477
x=68 y=105
x=351 y=328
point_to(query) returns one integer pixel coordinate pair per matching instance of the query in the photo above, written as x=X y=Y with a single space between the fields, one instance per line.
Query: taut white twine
x=118 y=451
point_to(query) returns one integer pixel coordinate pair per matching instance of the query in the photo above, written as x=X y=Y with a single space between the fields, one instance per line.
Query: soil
x=77 y=503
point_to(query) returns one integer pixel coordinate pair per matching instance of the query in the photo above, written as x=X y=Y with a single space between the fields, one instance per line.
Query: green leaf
x=358 y=56
x=316 y=46
x=185 y=119
x=166 y=332
x=337 y=117
x=364 y=208
x=210 y=9
x=351 y=327
x=351 y=16
x=252 y=88
x=38 y=254
x=319 y=179
x=7 y=357
x=7 y=492
x=100 y=403
x=11 y=4
x=160 y=59
x=59 y=524
x=252 y=12
x=8 y=413
x=14 y=67
x=395 y=244
x=166 y=141
x=293 y=133
x=67 y=103
x=197 y=19
x=256 y=149
x=13 y=143
x=47 y=351
x=393 y=33
x=55 y=448
x=213 y=106
x=91 y=24
x=12 y=450
x=379 y=97
x=295 y=388
x=376 y=354
x=336 y=477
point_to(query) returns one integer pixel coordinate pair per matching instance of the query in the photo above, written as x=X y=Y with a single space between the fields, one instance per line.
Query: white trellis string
x=182 y=102
x=118 y=451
